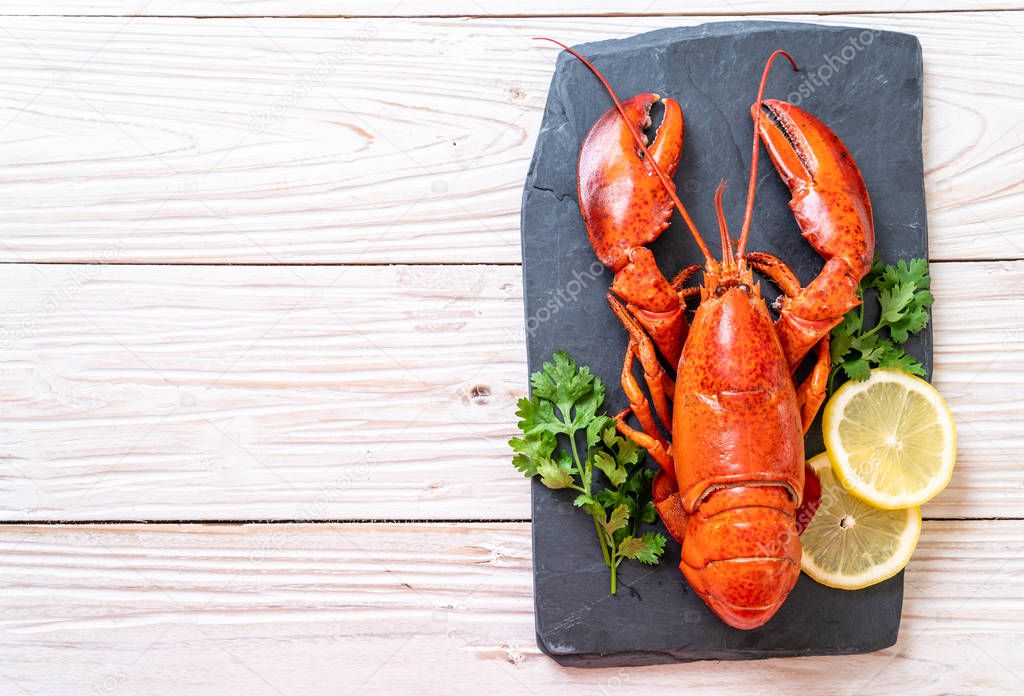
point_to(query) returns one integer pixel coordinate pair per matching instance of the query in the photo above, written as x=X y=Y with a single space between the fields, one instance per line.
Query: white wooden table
x=262 y=332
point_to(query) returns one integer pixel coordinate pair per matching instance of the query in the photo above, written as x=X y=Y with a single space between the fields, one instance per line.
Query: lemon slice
x=891 y=439
x=850 y=544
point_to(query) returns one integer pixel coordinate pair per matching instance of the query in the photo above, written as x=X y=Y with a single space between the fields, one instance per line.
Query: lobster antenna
x=748 y=213
x=665 y=181
x=727 y=258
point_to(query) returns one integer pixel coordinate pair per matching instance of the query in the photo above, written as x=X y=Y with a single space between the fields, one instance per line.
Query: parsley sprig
x=903 y=299
x=563 y=409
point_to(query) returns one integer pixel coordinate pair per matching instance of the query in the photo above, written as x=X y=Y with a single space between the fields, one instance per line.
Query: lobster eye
x=745 y=288
x=720 y=290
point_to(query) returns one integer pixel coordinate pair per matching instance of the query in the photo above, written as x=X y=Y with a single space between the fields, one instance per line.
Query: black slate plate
x=866 y=85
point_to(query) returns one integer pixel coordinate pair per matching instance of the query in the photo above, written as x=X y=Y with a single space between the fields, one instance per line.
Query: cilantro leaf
x=904 y=299
x=858 y=369
x=587 y=503
x=907 y=363
x=538 y=415
x=912 y=321
x=884 y=277
x=536 y=444
x=646 y=549
x=616 y=520
x=596 y=429
x=842 y=336
x=609 y=467
x=895 y=301
x=555 y=474
x=648 y=513
x=564 y=411
x=563 y=384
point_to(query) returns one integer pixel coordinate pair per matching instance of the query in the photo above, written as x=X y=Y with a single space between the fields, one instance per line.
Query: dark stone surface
x=871 y=97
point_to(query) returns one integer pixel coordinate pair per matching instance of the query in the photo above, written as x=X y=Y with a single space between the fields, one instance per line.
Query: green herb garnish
x=903 y=300
x=564 y=410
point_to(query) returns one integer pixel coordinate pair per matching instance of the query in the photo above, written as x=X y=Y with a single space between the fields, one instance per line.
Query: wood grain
x=425 y=609
x=385 y=141
x=376 y=392
x=184 y=392
x=475 y=8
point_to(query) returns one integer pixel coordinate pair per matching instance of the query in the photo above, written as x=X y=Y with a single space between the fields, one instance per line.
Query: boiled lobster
x=732 y=476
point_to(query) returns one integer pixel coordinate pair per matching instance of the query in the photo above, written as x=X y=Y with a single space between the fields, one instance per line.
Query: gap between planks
x=327 y=264
x=536 y=15
x=367 y=264
x=269 y=521
x=732 y=12
x=340 y=521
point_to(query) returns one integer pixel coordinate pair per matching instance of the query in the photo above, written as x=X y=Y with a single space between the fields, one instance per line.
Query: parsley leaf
x=646 y=549
x=556 y=473
x=616 y=520
x=565 y=403
x=904 y=300
x=610 y=468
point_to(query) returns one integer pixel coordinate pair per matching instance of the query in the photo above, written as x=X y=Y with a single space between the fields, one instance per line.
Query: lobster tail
x=741 y=552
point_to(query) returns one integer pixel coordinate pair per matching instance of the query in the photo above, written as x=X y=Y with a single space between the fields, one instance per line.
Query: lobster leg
x=831 y=205
x=683 y=276
x=776 y=269
x=654 y=374
x=653 y=302
x=638 y=403
x=650 y=442
x=811 y=392
x=665 y=490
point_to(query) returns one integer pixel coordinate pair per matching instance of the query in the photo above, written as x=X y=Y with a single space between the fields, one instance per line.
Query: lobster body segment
x=735 y=403
x=732 y=473
x=739 y=459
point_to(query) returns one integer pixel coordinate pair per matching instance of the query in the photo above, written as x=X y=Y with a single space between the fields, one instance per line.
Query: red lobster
x=732 y=477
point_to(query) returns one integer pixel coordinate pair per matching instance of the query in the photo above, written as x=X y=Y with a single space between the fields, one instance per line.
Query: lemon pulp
x=891 y=439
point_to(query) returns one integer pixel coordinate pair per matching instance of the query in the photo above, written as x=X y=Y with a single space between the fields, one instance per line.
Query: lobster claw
x=623 y=202
x=831 y=205
x=625 y=206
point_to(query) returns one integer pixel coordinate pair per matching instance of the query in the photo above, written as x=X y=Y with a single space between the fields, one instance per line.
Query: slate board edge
x=642 y=658
x=652 y=657
x=711 y=29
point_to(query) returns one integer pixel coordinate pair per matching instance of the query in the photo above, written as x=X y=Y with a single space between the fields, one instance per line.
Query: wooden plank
x=183 y=392
x=323 y=609
x=474 y=8
x=293 y=393
x=385 y=141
